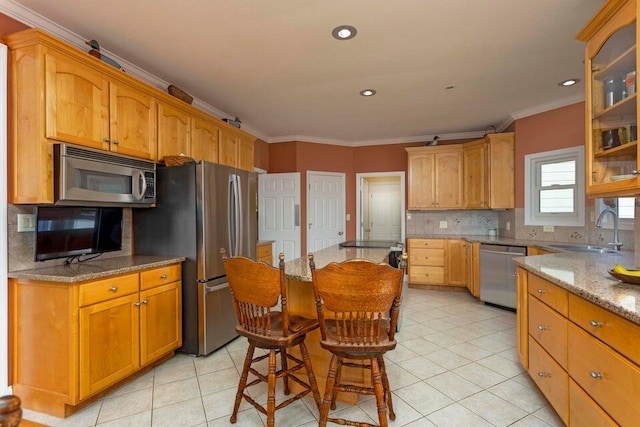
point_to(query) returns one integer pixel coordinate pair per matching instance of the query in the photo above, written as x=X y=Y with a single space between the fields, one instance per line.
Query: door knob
x=340 y=233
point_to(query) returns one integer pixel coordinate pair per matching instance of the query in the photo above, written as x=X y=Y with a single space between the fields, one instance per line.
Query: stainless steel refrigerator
x=200 y=208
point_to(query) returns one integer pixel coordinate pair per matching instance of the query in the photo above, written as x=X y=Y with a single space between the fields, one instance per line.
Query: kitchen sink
x=582 y=248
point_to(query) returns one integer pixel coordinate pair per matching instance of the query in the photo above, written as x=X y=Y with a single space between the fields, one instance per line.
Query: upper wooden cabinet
x=489 y=172
x=435 y=177
x=58 y=93
x=174 y=131
x=611 y=101
x=236 y=149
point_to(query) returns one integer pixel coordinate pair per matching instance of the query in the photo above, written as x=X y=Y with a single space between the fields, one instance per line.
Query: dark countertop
x=96 y=269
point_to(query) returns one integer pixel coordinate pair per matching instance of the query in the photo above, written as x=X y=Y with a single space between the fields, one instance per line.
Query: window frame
x=532 y=167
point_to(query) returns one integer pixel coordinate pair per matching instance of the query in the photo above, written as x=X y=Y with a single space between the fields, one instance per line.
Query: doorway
x=326 y=215
x=380 y=206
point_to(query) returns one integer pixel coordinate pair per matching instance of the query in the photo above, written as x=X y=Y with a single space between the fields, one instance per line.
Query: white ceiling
x=274 y=63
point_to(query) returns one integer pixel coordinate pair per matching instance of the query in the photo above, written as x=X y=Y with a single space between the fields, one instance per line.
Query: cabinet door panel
x=160 y=321
x=109 y=343
x=448 y=186
x=421 y=181
x=456 y=263
x=133 y=122
x=583 y=411
x=174 y=130
x=475 y=176
x=77 y=102
x=552 y=380
x=204 y=140
x=245 y=154
x=228 y=148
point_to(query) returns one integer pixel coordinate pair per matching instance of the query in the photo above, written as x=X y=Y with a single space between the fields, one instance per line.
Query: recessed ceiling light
x=344 y=32
x=367 y=92
x=568 y=82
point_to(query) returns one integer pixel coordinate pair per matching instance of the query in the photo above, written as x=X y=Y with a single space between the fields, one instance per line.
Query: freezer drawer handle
x=209 y=289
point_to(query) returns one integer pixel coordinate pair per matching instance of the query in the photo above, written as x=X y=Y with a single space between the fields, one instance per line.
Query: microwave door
x=87 y=181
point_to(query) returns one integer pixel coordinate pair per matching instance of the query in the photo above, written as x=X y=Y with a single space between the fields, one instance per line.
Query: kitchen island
x=301 y=301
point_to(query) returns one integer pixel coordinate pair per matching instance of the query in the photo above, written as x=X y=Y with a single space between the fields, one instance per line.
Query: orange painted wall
x=9 y=25
x=551 y=130
x=261 y=154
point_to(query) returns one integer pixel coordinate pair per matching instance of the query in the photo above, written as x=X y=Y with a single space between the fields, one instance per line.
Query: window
x=623 y=206
x=554 y=187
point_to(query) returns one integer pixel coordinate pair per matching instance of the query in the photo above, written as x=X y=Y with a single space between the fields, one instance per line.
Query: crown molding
x=388 y=141
x=553 y=105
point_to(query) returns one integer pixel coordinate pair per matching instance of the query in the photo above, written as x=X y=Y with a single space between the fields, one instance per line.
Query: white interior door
x=384 y=211
x=279 y=212
x=325 y=210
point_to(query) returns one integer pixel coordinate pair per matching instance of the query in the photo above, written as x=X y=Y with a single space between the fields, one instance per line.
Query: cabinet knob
x=595 y=323
x=542 y=291
x=595 y=375
x=137 y=304
x=163 y=276
x=113 y=288
x=543 y=375
x=543 y=328
x=106 y=140
x=115 y=142
x=144 y=301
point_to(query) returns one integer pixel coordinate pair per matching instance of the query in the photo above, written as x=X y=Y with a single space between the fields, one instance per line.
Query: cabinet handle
x=595 y=323
x=113 y=288
x=542 y=291
x=635 y=172
x=543 y=328
x=137 y=303
x=163 y=276
x=106 y=140
x=515 y=274
x=543 y=375
x=144 y=301
x=595 y=375
x=115 y=142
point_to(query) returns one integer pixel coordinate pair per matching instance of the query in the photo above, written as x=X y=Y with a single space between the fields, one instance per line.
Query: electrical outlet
x=548 y=228
x=508 y=227
x=26 y=222
x=348 y=217
x=408 y=216
x=443 y=224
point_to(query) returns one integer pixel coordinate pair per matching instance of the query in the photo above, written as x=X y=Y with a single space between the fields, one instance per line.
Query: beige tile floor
x=455 y=365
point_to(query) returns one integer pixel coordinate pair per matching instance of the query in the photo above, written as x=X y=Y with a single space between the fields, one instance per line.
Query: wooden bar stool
x=358 y=303
x=257 y=288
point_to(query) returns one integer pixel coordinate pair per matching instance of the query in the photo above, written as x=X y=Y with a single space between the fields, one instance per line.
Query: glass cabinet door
x=612 y=154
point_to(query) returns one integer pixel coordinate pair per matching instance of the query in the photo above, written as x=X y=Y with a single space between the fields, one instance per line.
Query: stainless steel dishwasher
x=498 y=274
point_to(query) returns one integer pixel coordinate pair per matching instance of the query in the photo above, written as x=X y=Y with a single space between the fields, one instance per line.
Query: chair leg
x=243 y=382
x=378 y=390
x=271 y=393
x=334 y=395
x=387 y=389
x=312 y=378
x=328 y=391
x=285 y=378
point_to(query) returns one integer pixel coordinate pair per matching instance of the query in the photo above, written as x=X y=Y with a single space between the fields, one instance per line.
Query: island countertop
x=586 y=275
x=298 y=269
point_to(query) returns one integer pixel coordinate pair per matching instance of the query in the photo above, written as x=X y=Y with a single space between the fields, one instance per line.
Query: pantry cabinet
x=434 y=177
x=97 y=333
x=583 y=357
x=611 y=58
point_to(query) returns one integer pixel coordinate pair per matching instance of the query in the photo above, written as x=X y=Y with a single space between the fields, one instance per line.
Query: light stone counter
x=90 y=270
x=298 y=269
x=586 y=275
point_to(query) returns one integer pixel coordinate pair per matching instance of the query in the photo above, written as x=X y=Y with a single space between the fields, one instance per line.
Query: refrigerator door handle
x=231 y=216
x=239 y=217
x=235 y=216
x=209 y=289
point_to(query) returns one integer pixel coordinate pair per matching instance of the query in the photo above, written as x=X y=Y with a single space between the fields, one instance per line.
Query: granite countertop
x=298 y=269
x=498 y=240
x=96 y=269
x=586 y=275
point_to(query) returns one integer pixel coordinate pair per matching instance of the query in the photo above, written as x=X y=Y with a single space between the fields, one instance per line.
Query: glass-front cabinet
x=611 y=102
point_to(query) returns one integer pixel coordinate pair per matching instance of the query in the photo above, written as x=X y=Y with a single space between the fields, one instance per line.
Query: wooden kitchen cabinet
x=611 y=56
x=434 y=177
x=456 y=256
x=473 y=269
x=438 y=263
x=583 y=357
x=489 y=172
x=236 y=149
x=174 y=131
x=265 y=252
x=204 y=139
x=98 y=333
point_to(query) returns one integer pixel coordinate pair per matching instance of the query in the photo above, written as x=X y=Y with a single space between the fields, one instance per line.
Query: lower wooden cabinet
x=70 y=341
x=584 y=358
x=264 y=252
x=440 y=262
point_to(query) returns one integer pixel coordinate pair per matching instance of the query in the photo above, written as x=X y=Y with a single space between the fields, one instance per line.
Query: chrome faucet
x=617 y=244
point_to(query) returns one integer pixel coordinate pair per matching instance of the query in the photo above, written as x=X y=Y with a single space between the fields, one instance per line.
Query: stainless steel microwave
x=88 y=177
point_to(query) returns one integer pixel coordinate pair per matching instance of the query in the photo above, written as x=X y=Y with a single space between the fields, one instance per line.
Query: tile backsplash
x=21 y=245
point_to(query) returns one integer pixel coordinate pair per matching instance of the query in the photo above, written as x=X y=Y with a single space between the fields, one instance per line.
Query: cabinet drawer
x=423 y=274
x=264 y=250
x=609 y=327
x=549 y=329
x=431 y=257
x=583 y=411
x=160 y=276
x=426 y=243
x=552 y=295
x=552 y=380
x=610 y=379
x=106 y=289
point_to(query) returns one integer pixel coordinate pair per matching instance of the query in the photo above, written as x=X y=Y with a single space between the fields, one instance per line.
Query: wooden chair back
x=363 y=299
x=256 y=288
x=10 y=411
